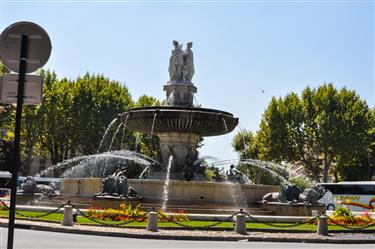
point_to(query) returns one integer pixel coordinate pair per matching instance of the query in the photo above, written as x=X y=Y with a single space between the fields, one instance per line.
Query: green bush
x=301 y=183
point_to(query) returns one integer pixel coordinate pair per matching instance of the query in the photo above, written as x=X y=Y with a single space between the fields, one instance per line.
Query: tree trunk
x=29 y=160
x=335 y=175
x=325 y=167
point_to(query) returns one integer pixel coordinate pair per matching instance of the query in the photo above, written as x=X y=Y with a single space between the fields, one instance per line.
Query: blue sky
x=240 y=48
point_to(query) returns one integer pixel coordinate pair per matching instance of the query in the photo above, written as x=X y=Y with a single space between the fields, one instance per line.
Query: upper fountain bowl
x=201 y=121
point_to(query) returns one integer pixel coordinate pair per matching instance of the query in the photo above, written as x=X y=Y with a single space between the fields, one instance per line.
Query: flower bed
x=343 y=216
x=128 y=213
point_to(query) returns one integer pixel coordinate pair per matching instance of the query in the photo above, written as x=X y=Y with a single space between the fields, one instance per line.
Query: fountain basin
x=114 y=201
x=200 y=121
x=182 y=192
x=28 y=198
x=199 y=192
x=294 y=209
x=80 y=187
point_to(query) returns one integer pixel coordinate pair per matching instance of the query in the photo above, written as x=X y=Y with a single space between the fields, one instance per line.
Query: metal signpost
x=32 y=93
x=24 y=47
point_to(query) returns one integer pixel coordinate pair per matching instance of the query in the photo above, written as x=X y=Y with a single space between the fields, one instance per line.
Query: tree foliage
x=72 y=119
x=6 y=130
x=323 y=129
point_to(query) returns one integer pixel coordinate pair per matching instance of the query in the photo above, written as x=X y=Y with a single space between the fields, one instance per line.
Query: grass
x=57 y=217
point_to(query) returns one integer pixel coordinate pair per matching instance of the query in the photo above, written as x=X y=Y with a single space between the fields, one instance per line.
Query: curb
x=315 y=241
x=124 y=235
x=189 y=237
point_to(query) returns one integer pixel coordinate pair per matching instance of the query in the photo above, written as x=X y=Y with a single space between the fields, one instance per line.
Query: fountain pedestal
x=183 y=148
x=180 y=93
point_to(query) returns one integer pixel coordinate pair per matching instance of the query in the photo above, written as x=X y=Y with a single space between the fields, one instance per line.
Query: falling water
x=166 y=184
x=114 y=136
x=143 y=172
x=153 y=124
x=123 y=131
x=263 y=165
x=237 y=194
x=225 y=124
x=195 y=99
x=245 y=146
x=137 y=140
x=109 y=149
x=106 y=134
x=242 y=132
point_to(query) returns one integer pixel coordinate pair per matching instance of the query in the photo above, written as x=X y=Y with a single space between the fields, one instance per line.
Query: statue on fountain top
x=181 y=63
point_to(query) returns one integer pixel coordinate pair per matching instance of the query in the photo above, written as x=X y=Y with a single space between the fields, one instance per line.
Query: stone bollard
x=240 y=227
x=152 y=223
x=68 y=216
x=322 y=225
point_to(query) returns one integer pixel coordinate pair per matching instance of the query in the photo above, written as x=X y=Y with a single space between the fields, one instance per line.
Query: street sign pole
x=24 y=47
x=17 y=133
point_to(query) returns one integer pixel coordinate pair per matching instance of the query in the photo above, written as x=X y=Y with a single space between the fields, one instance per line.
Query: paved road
x=29 y=239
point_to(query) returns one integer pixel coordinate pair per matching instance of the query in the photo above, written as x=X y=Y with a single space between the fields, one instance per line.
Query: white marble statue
x=176 y=62
x=188 y=69
x=181 y=63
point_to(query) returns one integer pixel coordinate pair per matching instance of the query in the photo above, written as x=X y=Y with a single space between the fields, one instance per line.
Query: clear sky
x=241 y=48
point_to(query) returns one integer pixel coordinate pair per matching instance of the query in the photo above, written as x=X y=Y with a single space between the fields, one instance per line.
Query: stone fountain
x=179 y=124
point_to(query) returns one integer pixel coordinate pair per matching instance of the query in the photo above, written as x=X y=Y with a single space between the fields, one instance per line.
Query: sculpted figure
x=176 y=62
x=188 y=69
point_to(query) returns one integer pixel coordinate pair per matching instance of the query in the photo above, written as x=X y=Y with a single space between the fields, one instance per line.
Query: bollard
x=68 y=216
x=322 y=225
x=240 y=227
x=152 y=223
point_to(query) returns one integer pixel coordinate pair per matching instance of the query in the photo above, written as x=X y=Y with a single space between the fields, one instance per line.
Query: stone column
x=68 y=216
x=240 y=227
x=323 y=225
x=152 y=223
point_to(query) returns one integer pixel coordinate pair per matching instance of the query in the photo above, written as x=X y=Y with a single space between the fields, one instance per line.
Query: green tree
x=146 y=100
x=56 y=119
x=244 y=143
x=147 y=144
x=7 y=117
x=32 y=125
x=371 y=149
x=6 y=111
x=319 y=128
x=96 y=101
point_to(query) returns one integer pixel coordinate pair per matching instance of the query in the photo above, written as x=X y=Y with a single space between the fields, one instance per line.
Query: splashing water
x=204 y=158
x=93 y=165
x=166 y=184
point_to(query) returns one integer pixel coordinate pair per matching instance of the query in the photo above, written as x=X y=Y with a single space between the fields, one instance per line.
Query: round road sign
x=38 y=49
